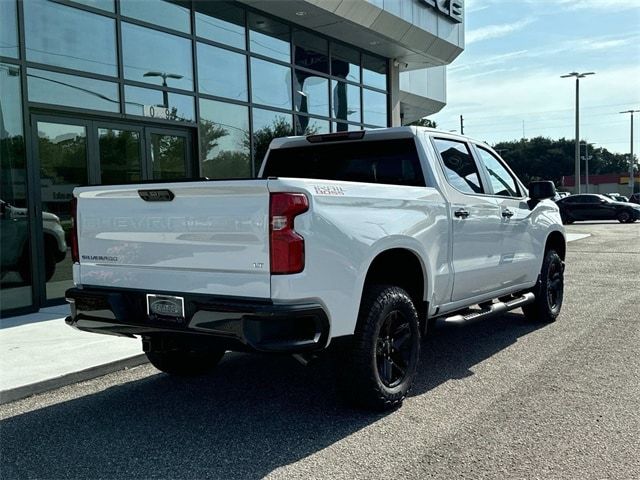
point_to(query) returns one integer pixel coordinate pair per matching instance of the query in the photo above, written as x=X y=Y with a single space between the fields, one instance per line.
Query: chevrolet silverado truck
x=358 y=240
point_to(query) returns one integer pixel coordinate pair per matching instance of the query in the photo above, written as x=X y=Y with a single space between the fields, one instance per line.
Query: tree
x=424 y=122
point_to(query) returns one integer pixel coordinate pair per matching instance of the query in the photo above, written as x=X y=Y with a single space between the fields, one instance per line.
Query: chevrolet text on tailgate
x=356 y=241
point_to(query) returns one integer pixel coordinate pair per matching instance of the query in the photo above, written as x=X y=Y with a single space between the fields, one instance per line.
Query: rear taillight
x=75 y=254
x=287 y=246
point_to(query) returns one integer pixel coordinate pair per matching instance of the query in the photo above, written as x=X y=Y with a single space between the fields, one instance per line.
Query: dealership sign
x=452 y=9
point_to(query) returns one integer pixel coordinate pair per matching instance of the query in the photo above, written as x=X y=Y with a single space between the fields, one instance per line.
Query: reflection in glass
x=181 y=108
x=345 y=62
x=9 y=30
x=270 y=84
x=68 y=37
x=221 y=72
x=310 y=126
x=163 y=13
x=311 y=93
x=221 y=22
x=15 y=273
x=101 y=4
x=72 y=91
x=224 y=140
x=269 y=38
x=156 y=57
x=169 y=156
x=346 y=101
x=62 y=151
x=268 y=125
x=374 y=108
x=120 y=156
x=311 y=51
x=374 y=71
x=345 y=127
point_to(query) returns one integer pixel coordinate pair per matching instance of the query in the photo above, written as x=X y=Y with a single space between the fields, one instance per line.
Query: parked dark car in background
x=596 y=207
x=635 y=198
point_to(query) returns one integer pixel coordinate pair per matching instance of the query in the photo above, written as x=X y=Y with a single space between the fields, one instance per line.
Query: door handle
x=461 y=213
x=506 y=213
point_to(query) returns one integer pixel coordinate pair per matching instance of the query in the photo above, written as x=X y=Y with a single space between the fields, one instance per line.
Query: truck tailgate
x=211 y=237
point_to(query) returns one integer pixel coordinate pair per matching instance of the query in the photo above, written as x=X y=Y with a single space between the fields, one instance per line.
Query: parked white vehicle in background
x=355 y=240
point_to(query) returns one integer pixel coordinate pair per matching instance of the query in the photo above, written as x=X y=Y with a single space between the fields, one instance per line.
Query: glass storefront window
x=221 y=72
x=168 y=156
x=310 y=126
x=72 y=91
x=268 y=125
x=221 y=22
x=269 y=38
x=68 y=37
x=108 y=5
x=119 y=155
x=62 y=151
x=311 y=51
x=15 y=281
x=345 y=127
x=224 y=140
x=9 y=30
x=345 y=62
x=374 y=71
x=270 y=84
x=374 y=108
x=146 y=57
x=160 y=12
x=311 y=94
x=346 y=101
x=172 y=106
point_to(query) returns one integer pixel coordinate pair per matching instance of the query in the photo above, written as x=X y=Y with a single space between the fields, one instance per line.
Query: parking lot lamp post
x=631 y=162
x=578 y=76
x=164 y=76
x=586 y=166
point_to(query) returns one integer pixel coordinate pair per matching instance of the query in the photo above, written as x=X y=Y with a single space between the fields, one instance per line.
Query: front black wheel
x=185 y=363
x=549 y=291
x=377 y=369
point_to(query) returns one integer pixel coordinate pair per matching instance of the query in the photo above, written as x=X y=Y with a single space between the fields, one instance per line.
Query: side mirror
x=541 y=190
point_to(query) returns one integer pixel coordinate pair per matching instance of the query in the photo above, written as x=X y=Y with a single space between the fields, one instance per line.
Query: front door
x=74 y=152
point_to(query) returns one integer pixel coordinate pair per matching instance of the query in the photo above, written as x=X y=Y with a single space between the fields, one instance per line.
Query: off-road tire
x=383 y=308
x=549 y=291
x=185 y=363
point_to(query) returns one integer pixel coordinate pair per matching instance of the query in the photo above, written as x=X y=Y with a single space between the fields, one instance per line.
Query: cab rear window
x=392 y=162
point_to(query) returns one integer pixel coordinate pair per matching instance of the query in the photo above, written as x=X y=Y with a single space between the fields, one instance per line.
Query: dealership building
x=114 y=91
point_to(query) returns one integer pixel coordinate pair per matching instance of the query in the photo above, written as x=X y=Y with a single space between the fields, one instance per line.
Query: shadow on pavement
x=255 y=414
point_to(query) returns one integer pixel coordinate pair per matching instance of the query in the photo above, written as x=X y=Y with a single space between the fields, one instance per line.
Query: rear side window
x=392 y=162
x=459 y=166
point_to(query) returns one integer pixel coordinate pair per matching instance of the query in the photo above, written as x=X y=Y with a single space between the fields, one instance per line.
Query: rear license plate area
x=165 y=308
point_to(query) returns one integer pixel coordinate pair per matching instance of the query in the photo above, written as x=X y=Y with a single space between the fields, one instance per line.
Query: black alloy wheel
x=624 y=217
x=549 y=292
x=376 y=367
x=393 y=349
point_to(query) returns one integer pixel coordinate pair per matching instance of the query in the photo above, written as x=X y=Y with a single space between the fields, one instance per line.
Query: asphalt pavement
x=500 y=398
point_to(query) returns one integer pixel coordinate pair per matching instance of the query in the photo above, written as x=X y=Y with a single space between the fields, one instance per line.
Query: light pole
x=632 y=183
x=164 y=76
x=577 y=160
x=586 y=166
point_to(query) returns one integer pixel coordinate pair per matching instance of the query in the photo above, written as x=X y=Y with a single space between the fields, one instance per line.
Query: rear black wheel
x=625 y=217
x=549 y=291
x=185 y=363
x=377 y=369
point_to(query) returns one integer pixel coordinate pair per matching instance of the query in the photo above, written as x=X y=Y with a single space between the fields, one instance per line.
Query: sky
x=508 y=78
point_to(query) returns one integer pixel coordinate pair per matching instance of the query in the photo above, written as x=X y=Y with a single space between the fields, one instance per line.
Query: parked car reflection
x=14 y=241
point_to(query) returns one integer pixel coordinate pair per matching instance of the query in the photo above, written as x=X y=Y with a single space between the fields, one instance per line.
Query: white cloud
x=612 y=5
x=495 y=31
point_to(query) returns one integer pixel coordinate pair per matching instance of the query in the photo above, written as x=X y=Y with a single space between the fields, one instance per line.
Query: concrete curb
x=18 y=393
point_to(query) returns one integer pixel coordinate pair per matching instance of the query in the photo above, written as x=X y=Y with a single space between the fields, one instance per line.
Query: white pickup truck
x=355 y=239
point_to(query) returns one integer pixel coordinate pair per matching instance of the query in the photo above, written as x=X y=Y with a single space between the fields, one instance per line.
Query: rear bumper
x=257 y=324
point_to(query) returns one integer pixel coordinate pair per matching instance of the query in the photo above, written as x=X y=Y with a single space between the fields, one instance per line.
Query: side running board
x=497 y=308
